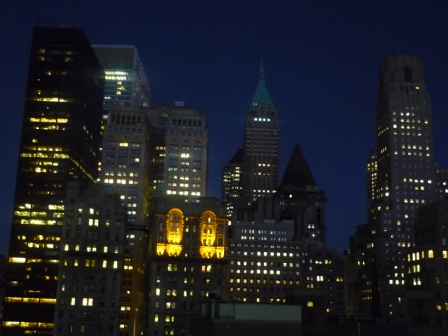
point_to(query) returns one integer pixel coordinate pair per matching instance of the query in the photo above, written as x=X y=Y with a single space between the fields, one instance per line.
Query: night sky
x=321 y=60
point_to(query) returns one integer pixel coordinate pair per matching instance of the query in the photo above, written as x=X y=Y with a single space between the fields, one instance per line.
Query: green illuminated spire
x=261 y=96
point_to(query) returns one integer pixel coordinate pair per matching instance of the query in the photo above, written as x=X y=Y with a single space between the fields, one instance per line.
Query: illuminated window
x=87 y=301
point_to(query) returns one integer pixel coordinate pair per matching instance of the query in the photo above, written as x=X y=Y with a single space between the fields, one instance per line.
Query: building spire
x=261 y=96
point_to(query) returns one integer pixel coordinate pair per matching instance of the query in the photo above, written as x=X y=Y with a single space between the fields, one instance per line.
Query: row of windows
x=92 y=263
x=190 y=134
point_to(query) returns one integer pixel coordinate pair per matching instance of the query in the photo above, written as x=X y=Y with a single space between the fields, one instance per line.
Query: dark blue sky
x=321 y=60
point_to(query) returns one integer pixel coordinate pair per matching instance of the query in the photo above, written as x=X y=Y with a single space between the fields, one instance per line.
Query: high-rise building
x=91 y=263
x=125 y=163
x=260 y=144
x=404 y=181
x=232 y=181
x=125 y=168
x=427 y=276
x=406 y=178
x=126 y=81
x=372 y=176
x=180 y=151
x=277 y=245
x=60 y=142
x=187 y=262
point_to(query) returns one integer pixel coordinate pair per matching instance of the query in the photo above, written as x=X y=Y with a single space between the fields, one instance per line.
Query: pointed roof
x=297 y=174
x=261 y=95
x=237 y=159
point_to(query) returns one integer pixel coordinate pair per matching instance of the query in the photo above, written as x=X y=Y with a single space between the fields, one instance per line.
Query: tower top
x=298 y=174
x=261 y=96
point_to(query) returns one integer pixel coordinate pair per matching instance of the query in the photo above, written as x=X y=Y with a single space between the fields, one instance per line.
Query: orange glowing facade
x=187 y=263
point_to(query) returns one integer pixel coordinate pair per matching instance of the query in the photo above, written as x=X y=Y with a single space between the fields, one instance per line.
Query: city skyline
x=321 y=67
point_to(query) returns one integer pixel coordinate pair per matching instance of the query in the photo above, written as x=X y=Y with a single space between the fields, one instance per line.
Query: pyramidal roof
x=298 y=173
x=261 y=96
x=237 y=158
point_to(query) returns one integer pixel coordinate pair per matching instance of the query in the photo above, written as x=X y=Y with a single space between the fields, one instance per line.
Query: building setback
x=60 y=142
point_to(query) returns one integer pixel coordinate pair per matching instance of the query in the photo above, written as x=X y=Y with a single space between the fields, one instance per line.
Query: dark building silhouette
x=301 y=199
x=60 y=142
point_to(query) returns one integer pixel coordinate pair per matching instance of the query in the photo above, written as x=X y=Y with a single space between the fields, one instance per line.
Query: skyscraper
x=260 y=144
x=126 y=81
x=125 y=167
x=232 y=181
x=401 y=177
x=406 y=177
x=60 y=142
x=180 y=144
x=277 y=245
x=92 y=262
x=125 y=171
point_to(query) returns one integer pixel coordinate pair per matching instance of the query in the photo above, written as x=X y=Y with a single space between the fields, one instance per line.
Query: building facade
x=91 y=263
x=187 y=262
x=125 y=171
x=277 y=245
x=126 y=82
x=60 y=142
x=180 y=151
x=426 y=271
x=403 y=179
x=232 y=181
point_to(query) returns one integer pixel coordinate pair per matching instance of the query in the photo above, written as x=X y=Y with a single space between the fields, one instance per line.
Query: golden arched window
x=174 y=226
x=208 y=228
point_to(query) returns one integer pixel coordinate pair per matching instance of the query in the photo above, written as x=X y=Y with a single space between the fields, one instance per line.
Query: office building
x=125 y=171
x=277 y=245
x=426 y=271
x=126 y=82
x=187 y=262
x=91 y=263
x=125 y=164
x=232 y=183
x=180 y=151
x=260 y=144
x=60 y=142
x=405 y=180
